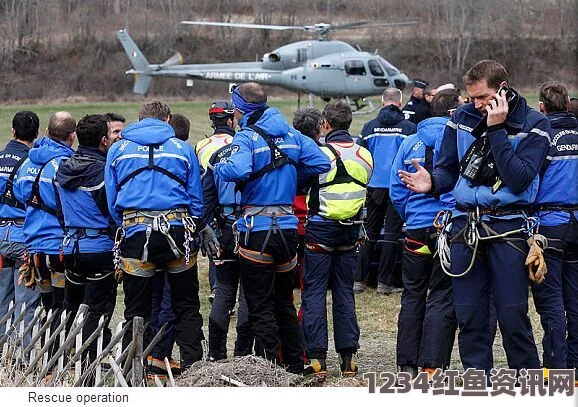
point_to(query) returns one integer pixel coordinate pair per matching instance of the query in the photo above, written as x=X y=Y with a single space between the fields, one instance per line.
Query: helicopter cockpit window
x=374 y=68
x=354 y=67
x=389 y=68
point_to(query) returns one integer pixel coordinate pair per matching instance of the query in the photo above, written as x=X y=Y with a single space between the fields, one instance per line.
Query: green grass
x=197 y=112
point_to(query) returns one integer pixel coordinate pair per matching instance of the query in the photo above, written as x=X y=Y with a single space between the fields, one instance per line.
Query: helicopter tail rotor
x=141 y=67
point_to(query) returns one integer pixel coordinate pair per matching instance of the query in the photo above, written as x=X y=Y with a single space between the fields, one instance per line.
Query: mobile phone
x=510 y=94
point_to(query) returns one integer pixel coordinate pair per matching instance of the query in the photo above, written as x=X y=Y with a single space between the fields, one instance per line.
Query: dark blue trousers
x=556 y=298
x=329 y=261
x=427 y=323
x=498 y=273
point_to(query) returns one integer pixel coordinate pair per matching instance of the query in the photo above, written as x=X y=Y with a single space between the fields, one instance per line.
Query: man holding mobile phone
x=490 y=225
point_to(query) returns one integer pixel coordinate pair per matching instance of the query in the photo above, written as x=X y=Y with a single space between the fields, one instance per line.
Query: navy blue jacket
x=382 y=136
x=519 y=147
x=82 y=201
x=416 y=110
x=13 y=154
x=559 y=184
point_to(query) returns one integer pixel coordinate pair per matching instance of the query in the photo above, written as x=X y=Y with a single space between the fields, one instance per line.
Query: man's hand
x=209 y=243
x=497 y=109
x=535 y=262
x=419 y=181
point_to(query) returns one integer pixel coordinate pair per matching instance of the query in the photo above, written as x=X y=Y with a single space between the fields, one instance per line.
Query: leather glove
x=535 y=262
x=27 y=275
x=209 y=243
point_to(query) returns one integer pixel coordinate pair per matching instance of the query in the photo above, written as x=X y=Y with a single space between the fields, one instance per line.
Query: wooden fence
x=31 y=357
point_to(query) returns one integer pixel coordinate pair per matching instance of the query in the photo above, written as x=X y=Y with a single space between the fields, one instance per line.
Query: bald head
x=391 y=96
x=61 y=126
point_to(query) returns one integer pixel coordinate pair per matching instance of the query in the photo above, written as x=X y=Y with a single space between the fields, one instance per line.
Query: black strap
x=35 y=199
x=341 y=177
x=278 y=159
x=428 y=161
x=7 y=197
x=151 y=166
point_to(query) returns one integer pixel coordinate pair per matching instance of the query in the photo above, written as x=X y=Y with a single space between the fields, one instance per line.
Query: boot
x=316 y=367
x=348 y=364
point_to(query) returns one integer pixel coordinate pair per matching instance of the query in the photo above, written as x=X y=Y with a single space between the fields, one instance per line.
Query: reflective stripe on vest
x=206 y=148
x=342 y=200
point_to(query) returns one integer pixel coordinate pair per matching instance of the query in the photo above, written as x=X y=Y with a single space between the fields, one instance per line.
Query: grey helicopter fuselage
x=328 y=69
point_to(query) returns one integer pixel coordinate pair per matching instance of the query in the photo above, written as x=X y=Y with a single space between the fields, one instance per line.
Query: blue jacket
x=251 y=153
x=82 y=202
x=217 y=193
x=13 y=154
x=151 y=189
x=42 y=231
x=519 y=147
x=418 y=210
x=382 y=136
x=559 y=184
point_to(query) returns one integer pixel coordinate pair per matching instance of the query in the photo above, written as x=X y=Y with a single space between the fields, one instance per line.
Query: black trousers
x=90 y=280
x=380 y=214
x=427 y=322
x=269 y=296
x=228 y=270
x=184 y=293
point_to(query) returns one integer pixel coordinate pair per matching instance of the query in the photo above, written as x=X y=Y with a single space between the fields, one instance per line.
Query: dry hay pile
x=239 y=371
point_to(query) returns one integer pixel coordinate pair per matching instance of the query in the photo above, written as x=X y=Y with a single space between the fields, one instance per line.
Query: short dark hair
x=181 y=125
x=338 y=115
x=554 y=96
x=573 y=106
x=91 y=129
x=154 y=110
x=444 y=101
x=308 y=121
x=489 y=70
x=60 y=125
x=114 y=117
x=253 y=92
x=25 y=125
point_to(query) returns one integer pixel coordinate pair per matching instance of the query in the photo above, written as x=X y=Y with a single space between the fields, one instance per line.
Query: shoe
x=212 y=297
x=157 y=366
x=359 y=287
x=545 y=370
x=411 y=369
x=430 y=372
x=316 y=367
x=348 y=365
x=385 y=289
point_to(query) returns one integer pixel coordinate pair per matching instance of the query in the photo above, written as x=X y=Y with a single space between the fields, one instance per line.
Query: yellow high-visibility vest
x=340 y=193
x=207 y=147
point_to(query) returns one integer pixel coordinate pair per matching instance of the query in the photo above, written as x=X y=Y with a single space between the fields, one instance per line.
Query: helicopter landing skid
x=358 y=104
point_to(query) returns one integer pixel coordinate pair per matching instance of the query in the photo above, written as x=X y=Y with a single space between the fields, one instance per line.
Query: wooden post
x=118 y=352
x=137 y=365
x=117 y=372
x=99 y=346
x=78 y=365
x=62 y=339
x=7 y=329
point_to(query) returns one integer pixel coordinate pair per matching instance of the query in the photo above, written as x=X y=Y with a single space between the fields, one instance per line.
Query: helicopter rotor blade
x=243 y=25
x=368 y=25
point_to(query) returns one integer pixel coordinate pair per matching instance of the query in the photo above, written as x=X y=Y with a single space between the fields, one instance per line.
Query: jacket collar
x=338 y=136
x=94 y=152
x=17 y=146
x=224 y=130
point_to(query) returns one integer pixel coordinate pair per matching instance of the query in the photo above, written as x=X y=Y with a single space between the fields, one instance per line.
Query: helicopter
x=324 y=68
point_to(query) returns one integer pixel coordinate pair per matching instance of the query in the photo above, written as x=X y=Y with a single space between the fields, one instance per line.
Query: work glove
x=535 y=262
x=209 y=243
x=27 y=274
